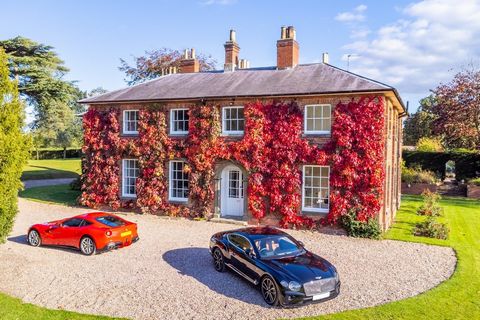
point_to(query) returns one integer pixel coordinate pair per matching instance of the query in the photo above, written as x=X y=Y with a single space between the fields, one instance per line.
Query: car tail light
x=108 y=233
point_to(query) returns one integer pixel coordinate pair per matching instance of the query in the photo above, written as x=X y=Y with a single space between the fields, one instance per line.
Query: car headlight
x=294 y=286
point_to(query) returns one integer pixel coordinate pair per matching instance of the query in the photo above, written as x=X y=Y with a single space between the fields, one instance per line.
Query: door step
x=230 y=221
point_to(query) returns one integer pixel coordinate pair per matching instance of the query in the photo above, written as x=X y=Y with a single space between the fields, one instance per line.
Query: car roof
x=92 y=215
x=258 y=231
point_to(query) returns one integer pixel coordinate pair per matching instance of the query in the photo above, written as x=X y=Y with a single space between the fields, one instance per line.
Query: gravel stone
x=169 y=273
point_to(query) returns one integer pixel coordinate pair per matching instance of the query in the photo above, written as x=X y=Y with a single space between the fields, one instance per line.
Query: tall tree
x=420 y=124
x=457 y=110
x=151 y=64
x=14 y=146
x=39 y=72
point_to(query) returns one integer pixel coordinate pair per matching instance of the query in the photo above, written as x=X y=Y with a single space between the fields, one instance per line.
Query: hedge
x=55 y=154
x=467 y=163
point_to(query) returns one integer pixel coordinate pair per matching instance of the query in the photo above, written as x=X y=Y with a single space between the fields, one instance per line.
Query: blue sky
x=411 y=45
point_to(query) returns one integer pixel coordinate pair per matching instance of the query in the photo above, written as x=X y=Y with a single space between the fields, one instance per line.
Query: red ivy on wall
x=271 y=151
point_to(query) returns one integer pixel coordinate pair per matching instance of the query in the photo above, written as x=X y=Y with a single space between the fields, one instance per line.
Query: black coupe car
x=285 y=271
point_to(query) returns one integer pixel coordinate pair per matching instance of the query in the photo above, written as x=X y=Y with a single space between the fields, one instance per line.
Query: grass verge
x=51 y=169
x=59 y=194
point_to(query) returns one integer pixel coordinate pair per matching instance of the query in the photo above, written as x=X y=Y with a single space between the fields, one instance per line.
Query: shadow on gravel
x=197 y=263
x=23 y=240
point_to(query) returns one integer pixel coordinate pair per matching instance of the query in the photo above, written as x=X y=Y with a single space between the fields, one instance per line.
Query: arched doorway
x=232 y=192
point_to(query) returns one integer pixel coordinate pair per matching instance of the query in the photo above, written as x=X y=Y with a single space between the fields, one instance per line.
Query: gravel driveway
x=168 y=274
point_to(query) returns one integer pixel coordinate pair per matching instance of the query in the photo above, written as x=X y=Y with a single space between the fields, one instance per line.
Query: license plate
x=321 y=296
x=126 y=233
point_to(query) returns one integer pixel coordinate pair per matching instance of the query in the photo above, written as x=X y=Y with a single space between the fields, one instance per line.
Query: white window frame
x=170 y=182
x=231 y=132
x=172 y=131
x=124 y=176
x=305 y=118
x=124 y=124
x=310 y=209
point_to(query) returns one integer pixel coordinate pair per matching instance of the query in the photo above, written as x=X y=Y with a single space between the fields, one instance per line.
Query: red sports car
x=90 y=232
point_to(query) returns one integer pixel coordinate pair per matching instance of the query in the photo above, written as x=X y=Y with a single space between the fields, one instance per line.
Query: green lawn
x=60 y=194
x=51 y=169
x=15 y=309
x=456 y=298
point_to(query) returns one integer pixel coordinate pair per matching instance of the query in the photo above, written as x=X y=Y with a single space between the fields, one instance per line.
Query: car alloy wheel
x=218 y=262
x=34 y=238
x=87 y=246
x=269 y=291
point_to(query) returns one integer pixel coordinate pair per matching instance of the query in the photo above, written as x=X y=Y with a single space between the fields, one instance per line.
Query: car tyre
x=87 y=246
x=218 y=260
x=34 y=238
x=270 y=291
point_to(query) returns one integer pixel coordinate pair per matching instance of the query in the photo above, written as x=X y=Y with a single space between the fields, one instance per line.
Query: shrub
x=429 y=144
x=431 y=228
x=76 y=184
x=14 y=146
x=475 y=181
x=360 y=229
x=430 y=206
x=417 y=175
x=467 y=163
x=42 y=154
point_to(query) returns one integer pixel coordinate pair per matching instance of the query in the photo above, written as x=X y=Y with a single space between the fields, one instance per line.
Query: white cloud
x=433 y=39
x=352 y=16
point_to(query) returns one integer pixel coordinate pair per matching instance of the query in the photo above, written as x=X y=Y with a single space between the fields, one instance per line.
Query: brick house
x=316 y=89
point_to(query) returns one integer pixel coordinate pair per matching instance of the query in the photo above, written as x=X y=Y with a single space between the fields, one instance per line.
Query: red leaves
x=271 y=151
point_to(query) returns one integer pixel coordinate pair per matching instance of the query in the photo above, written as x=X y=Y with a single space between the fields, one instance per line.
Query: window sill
x=178 y=200
x=315 y=212
x=178 y=134
x=129 y=134
x=128 y=197
x=317 y=134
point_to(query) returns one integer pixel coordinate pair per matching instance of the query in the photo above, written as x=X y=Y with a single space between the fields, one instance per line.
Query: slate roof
x=303 y=79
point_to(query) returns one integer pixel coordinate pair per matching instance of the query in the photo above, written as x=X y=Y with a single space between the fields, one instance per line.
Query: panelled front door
x=232 y=202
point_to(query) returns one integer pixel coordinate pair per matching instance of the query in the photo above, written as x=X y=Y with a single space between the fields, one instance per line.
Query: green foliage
x=430 y=206
x=52 y=153
x=475 y=181
x=360 y=229
x=419 y=124
x=14 y=146
x=467 y=163
x=417 y=175
x=40 y=73
x=429 y=144
x=431 y=228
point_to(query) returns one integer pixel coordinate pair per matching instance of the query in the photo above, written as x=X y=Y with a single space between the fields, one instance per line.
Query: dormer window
x=130 y=121
x=318 y=119
x=233 y=121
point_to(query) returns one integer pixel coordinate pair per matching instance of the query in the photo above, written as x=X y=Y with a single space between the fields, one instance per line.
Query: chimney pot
x=283 y=32
x=192 y=53
x=231 y=53
x=189 y=63
x=325 y=58
x=185 y=54
x=287 y=49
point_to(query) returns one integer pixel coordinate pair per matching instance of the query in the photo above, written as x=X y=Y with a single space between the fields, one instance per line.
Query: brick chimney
x=231 y=53
x=189 y=62
x=287 y=48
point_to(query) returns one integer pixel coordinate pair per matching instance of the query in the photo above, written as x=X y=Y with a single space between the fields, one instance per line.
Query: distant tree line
x=450 y=117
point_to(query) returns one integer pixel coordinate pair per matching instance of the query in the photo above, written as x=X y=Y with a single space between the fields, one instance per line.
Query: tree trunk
x=64 y=153
x=38 y=155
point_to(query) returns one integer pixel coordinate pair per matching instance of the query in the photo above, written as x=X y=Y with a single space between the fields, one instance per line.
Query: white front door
x=232 y=202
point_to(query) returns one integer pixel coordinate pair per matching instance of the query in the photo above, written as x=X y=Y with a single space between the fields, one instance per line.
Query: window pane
x=326 y=112
x=316 y=187
x=317 y=125
x=178 y=180
x=324 y=172
x=310 y=125
x=310 y=112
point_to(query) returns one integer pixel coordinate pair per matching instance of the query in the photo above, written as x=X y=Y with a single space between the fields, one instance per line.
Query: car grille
x=315 y=287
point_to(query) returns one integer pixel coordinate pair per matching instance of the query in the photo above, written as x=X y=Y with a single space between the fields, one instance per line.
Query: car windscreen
x=111 y=221
x=277 y=246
